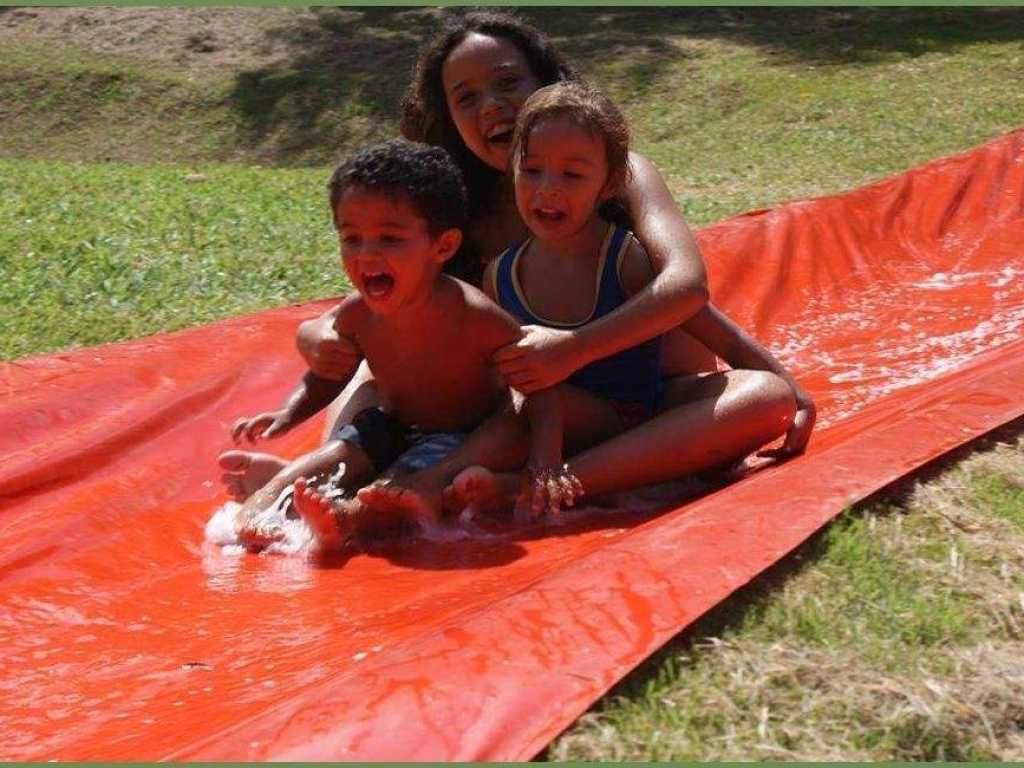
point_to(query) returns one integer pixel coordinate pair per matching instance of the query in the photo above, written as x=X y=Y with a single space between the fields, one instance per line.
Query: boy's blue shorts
x=389 y=443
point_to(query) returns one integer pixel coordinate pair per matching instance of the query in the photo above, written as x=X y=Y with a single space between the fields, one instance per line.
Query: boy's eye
x=350 y=241
x=391 y=240
x=573 y=175
x=508 y=83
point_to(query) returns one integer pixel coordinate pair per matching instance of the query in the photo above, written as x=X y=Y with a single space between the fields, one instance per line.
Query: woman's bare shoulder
x=635 y=269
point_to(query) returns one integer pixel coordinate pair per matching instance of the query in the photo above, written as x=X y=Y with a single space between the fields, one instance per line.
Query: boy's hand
x=327 y=353
x=549 y=490
x=262 y=426
x=542 y=358
x=799 y=431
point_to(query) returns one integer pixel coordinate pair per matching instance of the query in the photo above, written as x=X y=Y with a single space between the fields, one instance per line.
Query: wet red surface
x=899 y=306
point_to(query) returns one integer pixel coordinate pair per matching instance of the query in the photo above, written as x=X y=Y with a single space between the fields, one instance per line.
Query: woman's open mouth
x=500 y=134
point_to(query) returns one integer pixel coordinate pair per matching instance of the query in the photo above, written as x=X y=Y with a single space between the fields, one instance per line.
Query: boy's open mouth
x=378 y=284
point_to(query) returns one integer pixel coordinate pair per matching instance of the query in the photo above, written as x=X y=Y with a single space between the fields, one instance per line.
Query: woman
x=467 y=89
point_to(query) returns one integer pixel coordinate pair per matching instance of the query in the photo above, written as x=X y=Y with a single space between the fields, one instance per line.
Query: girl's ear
x=447 y=244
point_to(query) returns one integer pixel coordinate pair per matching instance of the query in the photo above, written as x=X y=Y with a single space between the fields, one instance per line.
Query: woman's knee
x=764 y=395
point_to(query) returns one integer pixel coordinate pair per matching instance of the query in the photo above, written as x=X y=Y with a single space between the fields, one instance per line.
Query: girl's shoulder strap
x=505 y=283
x=610 y=293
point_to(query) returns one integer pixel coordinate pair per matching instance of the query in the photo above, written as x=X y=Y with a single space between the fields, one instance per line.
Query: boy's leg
x=245 y=472
x=326 y=458
x=501 y=442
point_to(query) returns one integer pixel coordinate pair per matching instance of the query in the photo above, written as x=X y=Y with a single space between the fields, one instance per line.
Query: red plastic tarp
x=899 y=305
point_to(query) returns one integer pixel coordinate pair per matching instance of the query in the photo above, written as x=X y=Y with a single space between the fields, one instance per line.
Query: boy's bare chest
x=438 y=379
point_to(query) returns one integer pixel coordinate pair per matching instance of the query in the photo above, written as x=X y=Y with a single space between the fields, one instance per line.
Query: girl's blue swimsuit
x=629 y=377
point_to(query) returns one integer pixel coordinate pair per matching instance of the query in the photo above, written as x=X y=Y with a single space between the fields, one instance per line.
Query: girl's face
x=561 y=179
x=486 y=80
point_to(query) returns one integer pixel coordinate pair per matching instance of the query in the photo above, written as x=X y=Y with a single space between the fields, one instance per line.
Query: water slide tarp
x=124 y=636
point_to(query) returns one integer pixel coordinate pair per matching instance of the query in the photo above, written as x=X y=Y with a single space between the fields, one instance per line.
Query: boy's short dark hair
x=422 y=175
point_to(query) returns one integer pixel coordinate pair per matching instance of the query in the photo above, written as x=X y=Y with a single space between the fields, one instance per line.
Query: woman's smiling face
x=486 y=80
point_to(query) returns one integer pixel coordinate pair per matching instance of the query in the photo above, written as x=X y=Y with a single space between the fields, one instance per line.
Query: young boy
x=399 y=209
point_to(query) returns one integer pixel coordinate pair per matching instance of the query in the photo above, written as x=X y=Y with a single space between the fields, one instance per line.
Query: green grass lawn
x=147 y=194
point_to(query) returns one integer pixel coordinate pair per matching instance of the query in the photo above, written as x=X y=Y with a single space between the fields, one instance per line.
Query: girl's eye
x=390 y=240
x=508 y=83
x=573 y=175
x=464 y=100
x=527 y=171
x=350 y=241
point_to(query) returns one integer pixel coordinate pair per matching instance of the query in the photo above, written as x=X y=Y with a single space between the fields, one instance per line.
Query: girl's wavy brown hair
x=591 y=111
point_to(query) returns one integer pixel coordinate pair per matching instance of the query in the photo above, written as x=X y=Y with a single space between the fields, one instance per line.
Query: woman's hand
x=327 y=353
x=542 y=358
x=799 y=431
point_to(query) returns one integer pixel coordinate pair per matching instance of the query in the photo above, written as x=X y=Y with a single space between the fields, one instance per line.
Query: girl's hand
x=327 y=353
x=542 y=358
x=261 y=427
x=548 y=490
x=799 y=431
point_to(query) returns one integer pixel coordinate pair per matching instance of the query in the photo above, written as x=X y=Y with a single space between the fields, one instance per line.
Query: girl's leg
x=245 y=472
x=706 y=421
x=500 y=444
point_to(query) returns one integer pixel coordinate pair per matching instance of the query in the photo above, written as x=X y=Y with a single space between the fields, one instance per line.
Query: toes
x=234 y=487
x=234 y=461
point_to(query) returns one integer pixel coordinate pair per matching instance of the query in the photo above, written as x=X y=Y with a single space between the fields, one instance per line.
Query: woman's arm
x=740 y=350
x=678 y=291
x=328 y=354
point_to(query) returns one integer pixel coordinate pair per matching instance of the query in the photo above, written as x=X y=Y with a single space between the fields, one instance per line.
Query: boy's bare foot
x=480 y=490
x=394 y=501
x=255 y=531
x=330 y=523
x=245 y=472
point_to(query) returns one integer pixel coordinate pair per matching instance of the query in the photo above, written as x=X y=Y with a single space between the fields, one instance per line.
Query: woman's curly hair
x=425 y=115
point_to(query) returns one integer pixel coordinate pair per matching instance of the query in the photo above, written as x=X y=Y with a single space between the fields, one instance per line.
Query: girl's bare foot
x=245 y=472
x=477 y=489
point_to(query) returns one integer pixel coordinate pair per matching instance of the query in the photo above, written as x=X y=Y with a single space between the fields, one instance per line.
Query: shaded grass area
x=740 y=107
x=893 y=634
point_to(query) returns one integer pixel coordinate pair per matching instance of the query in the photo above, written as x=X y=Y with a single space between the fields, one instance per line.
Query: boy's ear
x=447 y=244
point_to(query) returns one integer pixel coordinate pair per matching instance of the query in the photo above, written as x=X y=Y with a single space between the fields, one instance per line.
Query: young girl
x=569 y=157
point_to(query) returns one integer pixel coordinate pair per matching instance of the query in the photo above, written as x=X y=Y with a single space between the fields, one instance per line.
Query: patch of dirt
x=186 y=38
